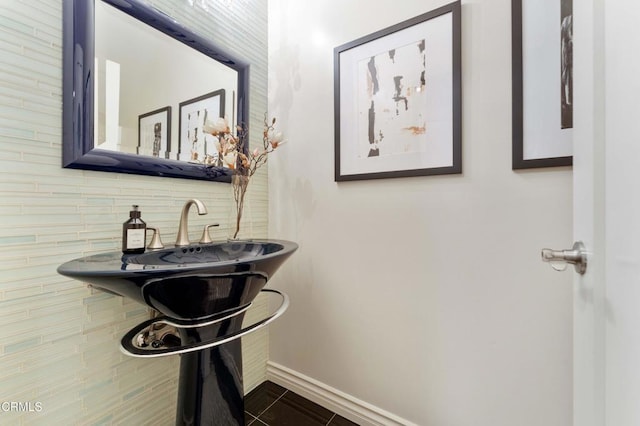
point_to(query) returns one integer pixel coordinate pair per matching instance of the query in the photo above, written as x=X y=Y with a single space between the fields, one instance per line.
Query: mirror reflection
x=152 y=94
x=156 y=82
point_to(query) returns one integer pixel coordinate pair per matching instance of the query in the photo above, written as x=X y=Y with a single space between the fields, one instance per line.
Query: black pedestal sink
x=202 y=292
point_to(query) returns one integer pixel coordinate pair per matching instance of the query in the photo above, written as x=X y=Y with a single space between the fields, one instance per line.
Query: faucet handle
x=206 y=238
x=156 y=242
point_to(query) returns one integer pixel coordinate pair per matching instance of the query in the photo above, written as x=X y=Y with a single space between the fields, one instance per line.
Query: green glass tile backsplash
x=59 y=340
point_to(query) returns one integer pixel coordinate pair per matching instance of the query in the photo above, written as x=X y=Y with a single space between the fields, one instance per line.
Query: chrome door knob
x=559 y=259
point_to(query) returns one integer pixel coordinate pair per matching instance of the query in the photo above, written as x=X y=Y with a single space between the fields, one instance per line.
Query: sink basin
x=187 y=284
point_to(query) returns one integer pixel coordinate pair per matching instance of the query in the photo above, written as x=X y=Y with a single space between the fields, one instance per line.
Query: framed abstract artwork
x=195 y=145
x=154 y=133
x=542 y=70
x=397 y=100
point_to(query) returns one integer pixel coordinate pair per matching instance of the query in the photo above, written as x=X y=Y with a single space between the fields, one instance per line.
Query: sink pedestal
x=210 y=389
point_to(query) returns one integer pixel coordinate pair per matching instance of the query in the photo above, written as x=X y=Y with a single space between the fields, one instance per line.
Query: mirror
x=140 y=128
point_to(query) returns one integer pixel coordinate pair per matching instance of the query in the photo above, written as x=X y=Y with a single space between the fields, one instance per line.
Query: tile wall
x=59 y=340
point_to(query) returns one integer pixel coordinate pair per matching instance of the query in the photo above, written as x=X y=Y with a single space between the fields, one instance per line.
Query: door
x=607 y=212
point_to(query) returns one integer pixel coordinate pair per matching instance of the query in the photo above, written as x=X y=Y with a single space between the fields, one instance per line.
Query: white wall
x=423 y=296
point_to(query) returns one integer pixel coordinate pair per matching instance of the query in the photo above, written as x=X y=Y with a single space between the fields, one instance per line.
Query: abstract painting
x=154 y=133
x=566 y=62
x=195 y=145
x=393 y=97
x=398 y=100
x=542 y=78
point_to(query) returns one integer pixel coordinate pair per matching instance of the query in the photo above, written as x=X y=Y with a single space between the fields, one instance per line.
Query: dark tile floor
x=272 y=405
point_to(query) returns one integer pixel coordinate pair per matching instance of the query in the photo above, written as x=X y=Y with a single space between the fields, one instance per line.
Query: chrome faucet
x=183 y=229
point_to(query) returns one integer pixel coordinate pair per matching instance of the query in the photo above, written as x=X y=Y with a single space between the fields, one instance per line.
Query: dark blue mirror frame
x=78 y=95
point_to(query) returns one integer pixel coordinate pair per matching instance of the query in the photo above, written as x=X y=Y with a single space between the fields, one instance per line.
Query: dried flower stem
x=239 y=184
x=235 y=151
x=250 y=161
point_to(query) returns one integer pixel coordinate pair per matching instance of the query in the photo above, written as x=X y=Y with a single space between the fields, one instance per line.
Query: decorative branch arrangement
x=234 y=153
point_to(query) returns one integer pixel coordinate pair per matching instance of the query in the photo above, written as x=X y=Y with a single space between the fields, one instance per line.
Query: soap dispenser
x=134 y=233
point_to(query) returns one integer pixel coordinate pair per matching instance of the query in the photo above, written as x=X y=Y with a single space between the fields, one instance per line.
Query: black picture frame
x=524 y=141
x=193 y=144
x=154 y=133
x=358 y=137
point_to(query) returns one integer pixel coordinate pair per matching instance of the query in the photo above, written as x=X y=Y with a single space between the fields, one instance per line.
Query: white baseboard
x=337 y=401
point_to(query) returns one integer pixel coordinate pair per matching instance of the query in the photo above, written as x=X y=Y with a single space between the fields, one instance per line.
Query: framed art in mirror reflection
x=154 y=133
x=195 y=145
